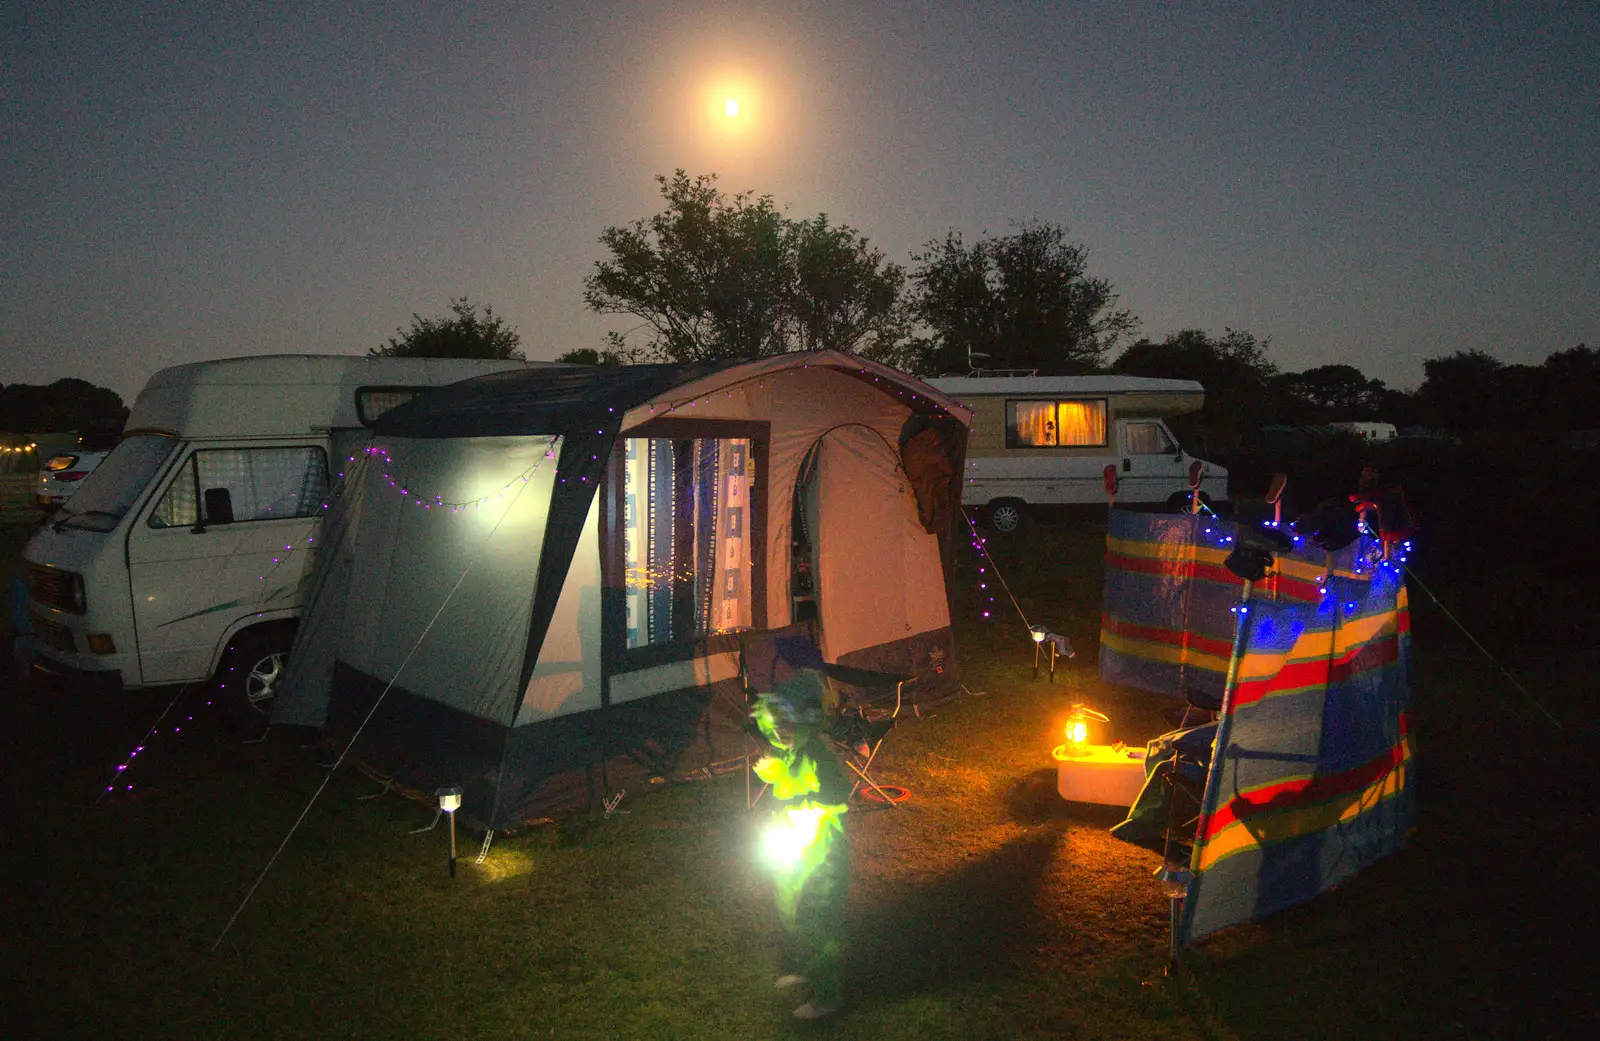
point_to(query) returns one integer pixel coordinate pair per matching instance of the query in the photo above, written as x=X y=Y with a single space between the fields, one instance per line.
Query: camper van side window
x=1147 y=439
x=262 y=484
x=1055 y=424
x=372 y=402
x=686 y=538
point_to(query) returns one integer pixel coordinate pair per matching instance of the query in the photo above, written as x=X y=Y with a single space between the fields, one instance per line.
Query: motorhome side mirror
x=219 y=506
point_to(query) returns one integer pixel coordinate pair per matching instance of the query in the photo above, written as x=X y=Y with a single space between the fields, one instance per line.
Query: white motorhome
x=185 y=554
x=1045 y=440
x=1367 y=431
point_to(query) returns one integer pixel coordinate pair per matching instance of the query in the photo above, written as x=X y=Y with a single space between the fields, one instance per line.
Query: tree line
x=718 y=276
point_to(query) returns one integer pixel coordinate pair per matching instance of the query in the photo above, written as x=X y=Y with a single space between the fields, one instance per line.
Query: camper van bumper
x=49 y=671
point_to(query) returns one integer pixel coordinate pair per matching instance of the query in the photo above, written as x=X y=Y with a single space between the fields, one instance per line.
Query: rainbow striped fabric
x=1167 y=624
x=1312 y=775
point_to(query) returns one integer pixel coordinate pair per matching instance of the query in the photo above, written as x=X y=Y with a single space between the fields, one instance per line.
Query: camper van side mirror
x=219 y=506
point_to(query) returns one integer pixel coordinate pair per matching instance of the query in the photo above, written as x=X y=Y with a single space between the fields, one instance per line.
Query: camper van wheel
x=254 y=668
x=1005 y=517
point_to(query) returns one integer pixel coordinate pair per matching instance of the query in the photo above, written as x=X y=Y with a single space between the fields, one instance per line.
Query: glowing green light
x=791 y=833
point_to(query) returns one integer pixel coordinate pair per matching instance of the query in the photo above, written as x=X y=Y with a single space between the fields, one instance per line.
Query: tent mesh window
x=686 y=544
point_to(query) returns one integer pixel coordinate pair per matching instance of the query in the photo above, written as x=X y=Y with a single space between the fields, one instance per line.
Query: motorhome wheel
x=1005 y=517
x=253 y=671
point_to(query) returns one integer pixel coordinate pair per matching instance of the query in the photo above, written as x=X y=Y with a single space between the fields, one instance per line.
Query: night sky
x=1364 y=183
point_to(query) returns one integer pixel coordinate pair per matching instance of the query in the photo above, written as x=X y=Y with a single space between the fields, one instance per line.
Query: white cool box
x=1100 y=774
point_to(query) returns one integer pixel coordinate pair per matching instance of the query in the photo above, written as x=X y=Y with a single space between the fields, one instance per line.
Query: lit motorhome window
x=262 y=484
x=111 y=489
x=1148 y=439
x=686 y=538
x=1055 y=424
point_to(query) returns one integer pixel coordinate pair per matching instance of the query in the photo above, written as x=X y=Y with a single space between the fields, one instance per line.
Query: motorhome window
x=372 y=402
x=262 y=484
x=1055 y=424
x=111 y=489
x=686 y=517
x=1148 y=439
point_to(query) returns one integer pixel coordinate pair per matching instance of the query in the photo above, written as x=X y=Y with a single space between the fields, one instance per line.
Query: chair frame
x=834 y=674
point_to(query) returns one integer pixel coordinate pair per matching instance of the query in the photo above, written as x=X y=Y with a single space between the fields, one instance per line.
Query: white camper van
x=1044 y=440
x=192 y=541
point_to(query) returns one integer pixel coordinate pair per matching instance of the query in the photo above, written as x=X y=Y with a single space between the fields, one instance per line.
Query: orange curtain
x=1080 y=422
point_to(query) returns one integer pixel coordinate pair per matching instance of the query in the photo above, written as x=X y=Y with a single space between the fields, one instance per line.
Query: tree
x=1234 y=370
x=1471 y=390
x=466 y=335
x=1334 y=392
x=715 y=276
x=97 y=413
x=589 y=356
x=1024 y=300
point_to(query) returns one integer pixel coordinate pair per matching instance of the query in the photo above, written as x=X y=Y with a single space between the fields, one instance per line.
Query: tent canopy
x=534 y=583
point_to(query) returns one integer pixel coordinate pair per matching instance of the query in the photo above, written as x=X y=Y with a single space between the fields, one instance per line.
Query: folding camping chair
x=855 y=725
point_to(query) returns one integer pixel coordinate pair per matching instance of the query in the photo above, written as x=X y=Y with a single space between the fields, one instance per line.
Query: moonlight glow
x=730 y=108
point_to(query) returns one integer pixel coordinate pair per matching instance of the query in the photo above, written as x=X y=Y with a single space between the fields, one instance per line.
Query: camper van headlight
x=76 y=602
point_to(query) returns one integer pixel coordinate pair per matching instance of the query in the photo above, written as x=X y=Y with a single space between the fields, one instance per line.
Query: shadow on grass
x=973 y=924
x=1036 y=799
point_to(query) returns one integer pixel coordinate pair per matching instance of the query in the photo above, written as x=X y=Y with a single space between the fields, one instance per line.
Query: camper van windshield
x=115 y=485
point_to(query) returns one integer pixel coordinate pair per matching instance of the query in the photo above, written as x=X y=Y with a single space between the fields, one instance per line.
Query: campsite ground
x=982 y=907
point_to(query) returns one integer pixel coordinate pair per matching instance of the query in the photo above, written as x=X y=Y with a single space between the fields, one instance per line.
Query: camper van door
x=225 y=540
x=1152 y=466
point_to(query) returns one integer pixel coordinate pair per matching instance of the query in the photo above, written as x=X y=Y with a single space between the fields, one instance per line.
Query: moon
x=730 y=108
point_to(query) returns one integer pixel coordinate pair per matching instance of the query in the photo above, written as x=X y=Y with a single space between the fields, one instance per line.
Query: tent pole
x=1180 y=881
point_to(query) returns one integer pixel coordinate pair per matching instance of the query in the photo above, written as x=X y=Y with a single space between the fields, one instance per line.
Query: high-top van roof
x=276 y=395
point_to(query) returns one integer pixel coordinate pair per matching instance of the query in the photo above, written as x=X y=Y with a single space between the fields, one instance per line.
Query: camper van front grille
x=53 y=634
x=51 y=586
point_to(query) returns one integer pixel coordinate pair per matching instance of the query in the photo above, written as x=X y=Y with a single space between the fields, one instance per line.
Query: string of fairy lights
x=120 y=776
x=391 y=477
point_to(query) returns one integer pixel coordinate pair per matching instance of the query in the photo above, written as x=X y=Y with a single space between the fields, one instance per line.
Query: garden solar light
x=1058 y=645
x=450 y=802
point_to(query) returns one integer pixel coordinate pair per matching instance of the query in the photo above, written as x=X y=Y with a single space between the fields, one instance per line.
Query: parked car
x=61 y=474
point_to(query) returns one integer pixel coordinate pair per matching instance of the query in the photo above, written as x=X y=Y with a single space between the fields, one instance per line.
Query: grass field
x=984 y=907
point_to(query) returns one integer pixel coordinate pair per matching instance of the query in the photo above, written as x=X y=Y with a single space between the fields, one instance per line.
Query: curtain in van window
x=1081 y=422
x=263 y=484
x=1033 y=422
x=1043 y=424
x=267 y=483
x=1147 y=439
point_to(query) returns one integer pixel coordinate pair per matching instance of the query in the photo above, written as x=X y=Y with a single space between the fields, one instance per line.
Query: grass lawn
x=984 y=907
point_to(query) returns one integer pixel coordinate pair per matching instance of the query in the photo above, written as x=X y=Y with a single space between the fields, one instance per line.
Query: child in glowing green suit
x=804 y=841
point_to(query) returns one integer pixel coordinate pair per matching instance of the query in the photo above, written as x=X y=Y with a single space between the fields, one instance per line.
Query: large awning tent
x=533 y=583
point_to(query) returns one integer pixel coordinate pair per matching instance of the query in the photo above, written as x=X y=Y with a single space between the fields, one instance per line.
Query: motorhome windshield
x=114 y=486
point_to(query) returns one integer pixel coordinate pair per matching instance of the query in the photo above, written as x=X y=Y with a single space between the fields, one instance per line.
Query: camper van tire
x=1006 y=516
x=252 y=669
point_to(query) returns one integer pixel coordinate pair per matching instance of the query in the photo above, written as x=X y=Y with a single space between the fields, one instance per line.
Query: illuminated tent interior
x=533 y=583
